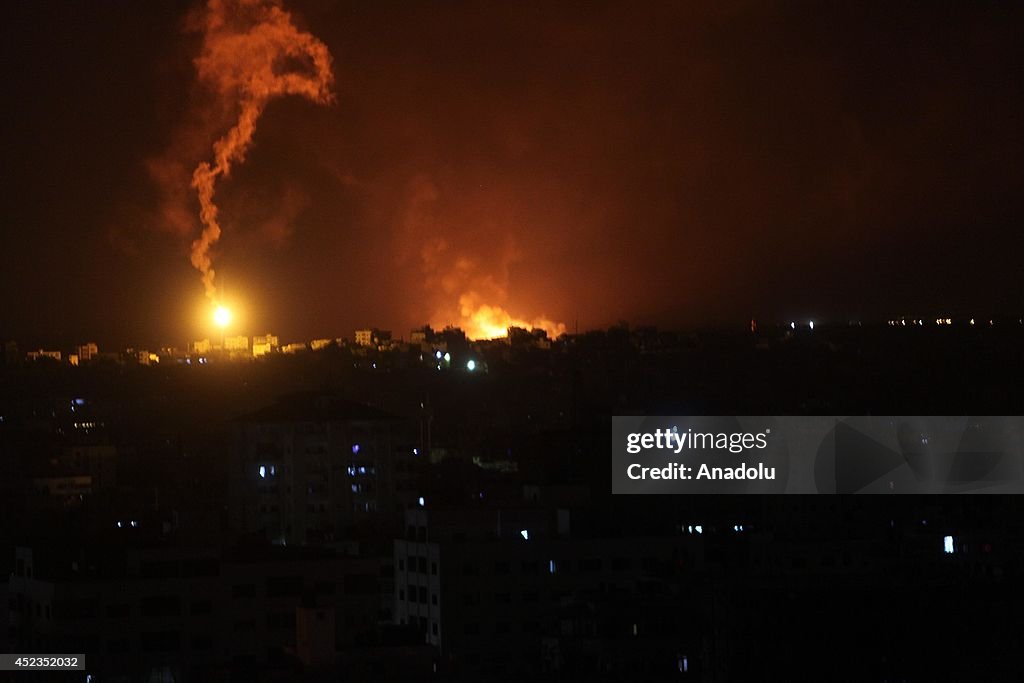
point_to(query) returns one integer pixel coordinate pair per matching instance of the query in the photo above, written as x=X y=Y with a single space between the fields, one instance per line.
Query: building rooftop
x=315 y=406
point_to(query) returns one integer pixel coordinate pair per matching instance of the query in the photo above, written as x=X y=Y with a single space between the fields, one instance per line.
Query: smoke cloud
x=465 y=289
x=251 y=53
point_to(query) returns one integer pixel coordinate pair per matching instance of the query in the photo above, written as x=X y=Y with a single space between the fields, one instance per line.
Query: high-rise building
x=421 y=335
x=372 y=337
x=264 y=344
x=236 y=344
x=87 y=352
x=364 y=337
x=312 y=465
x=40 y=354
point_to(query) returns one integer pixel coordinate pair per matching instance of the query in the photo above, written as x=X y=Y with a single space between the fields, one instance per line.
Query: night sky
x=657 y=163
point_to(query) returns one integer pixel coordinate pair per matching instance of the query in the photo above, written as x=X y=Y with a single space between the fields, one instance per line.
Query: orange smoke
x=480 y=290
x=469 y=285
x=251 y=54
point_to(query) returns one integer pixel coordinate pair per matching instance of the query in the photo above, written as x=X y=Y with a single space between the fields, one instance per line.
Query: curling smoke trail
x=251 y=54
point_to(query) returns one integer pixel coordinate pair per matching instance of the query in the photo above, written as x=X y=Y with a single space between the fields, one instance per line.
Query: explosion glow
x=484 y=321
x=251 y=50
x=222 y=316
x=492 y=322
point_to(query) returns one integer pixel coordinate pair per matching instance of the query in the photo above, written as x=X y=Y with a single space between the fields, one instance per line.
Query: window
x=423 y=595
x=433 y=599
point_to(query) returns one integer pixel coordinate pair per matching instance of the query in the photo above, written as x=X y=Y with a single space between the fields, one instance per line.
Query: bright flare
x=222 y=316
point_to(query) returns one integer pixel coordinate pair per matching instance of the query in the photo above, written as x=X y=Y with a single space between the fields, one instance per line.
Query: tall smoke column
x=251 y=53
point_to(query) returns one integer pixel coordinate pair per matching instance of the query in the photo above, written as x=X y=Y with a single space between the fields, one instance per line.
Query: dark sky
x=658 y=163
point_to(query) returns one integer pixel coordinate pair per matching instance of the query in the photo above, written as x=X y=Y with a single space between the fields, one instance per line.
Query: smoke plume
x=251 y=53
x=469 y=290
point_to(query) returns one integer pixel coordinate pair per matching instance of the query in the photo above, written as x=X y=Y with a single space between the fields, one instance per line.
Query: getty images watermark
x=676 y=442
x=818 y=454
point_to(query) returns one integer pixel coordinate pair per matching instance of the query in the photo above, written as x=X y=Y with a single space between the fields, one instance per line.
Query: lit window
x=947 y=545
x=552 y=567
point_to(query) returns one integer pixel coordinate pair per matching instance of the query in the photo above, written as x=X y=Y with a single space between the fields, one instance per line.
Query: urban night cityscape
x=341 y=341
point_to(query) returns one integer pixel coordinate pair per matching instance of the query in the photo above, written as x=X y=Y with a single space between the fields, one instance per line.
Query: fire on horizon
x=534 y=165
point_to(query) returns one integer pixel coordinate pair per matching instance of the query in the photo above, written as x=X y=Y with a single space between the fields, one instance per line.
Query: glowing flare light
x=222 y=316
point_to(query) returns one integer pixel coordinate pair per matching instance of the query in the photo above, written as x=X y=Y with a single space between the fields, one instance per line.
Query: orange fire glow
x=484 y=321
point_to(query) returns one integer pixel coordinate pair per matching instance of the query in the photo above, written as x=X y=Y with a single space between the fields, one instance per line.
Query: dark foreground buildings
x=353 y=514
